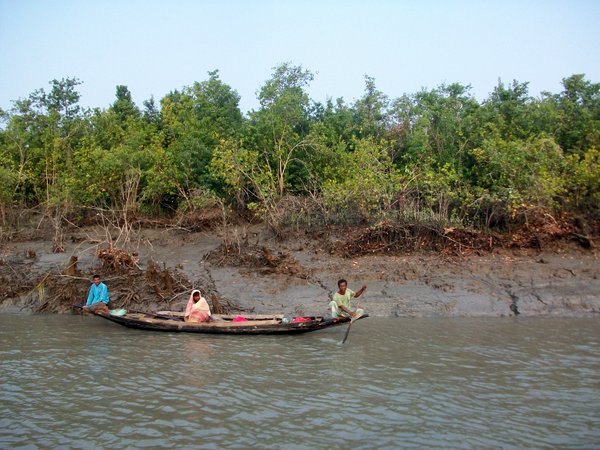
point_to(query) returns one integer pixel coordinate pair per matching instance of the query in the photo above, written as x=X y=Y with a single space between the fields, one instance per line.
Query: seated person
x=97 y=300
x=341 y=305
x=197 y=309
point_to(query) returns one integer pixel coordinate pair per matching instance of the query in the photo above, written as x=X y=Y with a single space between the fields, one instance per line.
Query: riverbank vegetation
x=436 y=160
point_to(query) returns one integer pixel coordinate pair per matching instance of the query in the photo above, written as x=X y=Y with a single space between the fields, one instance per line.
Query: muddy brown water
x=82 y=382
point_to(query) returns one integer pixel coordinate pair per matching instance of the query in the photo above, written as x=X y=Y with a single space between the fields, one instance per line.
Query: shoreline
x=297 y=276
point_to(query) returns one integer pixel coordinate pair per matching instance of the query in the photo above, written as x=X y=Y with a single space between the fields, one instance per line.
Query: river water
x=82 y=382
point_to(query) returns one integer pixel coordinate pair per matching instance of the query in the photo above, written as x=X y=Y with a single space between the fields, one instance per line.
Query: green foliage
x=506 y=112
x=579 y=109
x=279 y=128
x=123 y=107
x=8 y=184
x=244 y=175
x=194 y=121
x=371 y=111
x=583 y=181
x=363 y=183
x=520 y=173
x=336 y=123
x=439 y=125
x=438 y=153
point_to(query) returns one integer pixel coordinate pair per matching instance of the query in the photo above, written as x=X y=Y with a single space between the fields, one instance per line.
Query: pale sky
x=154 y=47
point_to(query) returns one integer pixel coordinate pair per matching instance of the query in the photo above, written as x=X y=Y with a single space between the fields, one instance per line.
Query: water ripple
x=74 y=382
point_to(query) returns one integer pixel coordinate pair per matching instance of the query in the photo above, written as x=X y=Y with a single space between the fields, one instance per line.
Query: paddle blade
x=347 y=332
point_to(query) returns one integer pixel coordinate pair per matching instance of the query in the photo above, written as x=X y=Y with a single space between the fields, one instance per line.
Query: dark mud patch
x=201 y=219
x=259 y=258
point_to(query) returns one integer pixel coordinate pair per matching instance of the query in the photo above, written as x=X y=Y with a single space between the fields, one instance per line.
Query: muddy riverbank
x=247 y=268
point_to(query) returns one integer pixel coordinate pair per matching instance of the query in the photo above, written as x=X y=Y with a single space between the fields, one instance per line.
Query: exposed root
x=130 y=288
x=258 y=257
x=200 y=219
x=16 y=281
x=396 y=238
x=539 y=232
x=115 y=259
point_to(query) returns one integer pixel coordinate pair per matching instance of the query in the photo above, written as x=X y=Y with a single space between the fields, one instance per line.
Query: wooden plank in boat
x=236 y=324
x=226 y=316
x=228 y=324
x=170 y=313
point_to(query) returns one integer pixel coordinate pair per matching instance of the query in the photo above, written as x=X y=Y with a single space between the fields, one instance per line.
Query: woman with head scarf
x=197 y=309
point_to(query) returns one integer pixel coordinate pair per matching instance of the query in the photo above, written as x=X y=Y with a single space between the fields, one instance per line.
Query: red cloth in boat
x=301 y=319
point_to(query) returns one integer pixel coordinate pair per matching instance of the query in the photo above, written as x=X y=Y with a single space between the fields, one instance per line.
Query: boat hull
x=150 y=322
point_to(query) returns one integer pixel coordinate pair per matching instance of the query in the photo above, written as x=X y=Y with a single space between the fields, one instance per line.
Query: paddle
x=352 y=319
x=348 y=331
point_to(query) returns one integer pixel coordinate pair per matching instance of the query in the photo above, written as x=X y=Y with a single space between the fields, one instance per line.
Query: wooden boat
x=223 y=324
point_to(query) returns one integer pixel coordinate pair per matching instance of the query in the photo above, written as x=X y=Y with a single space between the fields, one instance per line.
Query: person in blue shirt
x=97 y=297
